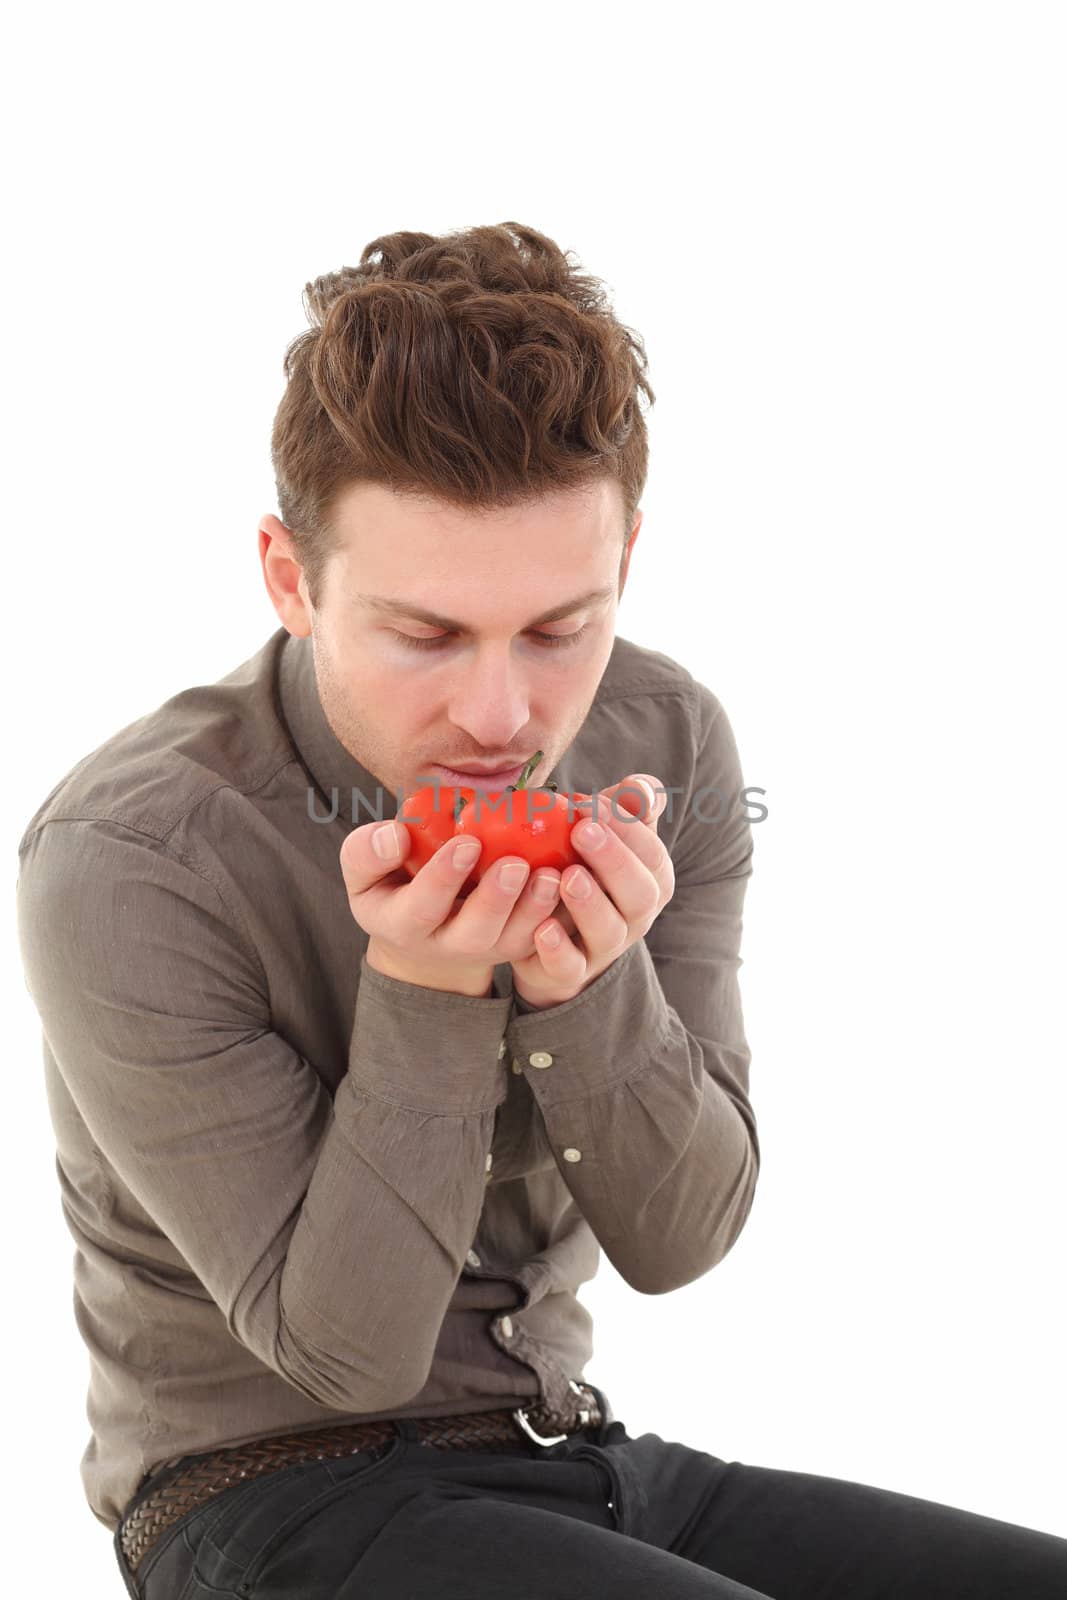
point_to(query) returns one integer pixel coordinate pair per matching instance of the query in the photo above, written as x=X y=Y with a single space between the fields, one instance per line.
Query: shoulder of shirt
x=151 y=774
x=686 y=707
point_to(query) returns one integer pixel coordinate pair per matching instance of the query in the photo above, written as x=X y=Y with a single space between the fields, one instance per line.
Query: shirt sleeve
x=642 y=1079
x=330 y=1231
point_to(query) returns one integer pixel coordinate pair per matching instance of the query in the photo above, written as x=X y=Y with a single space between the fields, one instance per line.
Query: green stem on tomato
x=527 y=773
x=524 y=778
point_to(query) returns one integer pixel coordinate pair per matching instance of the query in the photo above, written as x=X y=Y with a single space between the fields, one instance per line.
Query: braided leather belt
x=204 y=1476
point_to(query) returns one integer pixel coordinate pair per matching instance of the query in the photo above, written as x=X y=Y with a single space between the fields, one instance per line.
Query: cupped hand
x=421 y=930
x=630 y=878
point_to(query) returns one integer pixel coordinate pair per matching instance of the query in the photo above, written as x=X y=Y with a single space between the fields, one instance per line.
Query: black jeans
x=602 y=1516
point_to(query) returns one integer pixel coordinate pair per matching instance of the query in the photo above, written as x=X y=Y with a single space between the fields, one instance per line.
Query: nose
x=491 y=703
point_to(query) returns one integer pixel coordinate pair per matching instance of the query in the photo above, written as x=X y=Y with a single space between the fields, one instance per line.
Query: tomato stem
x=527 y=771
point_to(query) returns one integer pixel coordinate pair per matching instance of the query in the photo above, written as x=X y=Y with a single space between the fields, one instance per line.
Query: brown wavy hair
x=478 y=368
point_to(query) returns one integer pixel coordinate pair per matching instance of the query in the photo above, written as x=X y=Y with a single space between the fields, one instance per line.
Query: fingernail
x=652 y=798
x=579 y=886
x=466 y=854
x=545 y=887
x=386 y=841
x=513 y=876
x=591 y=835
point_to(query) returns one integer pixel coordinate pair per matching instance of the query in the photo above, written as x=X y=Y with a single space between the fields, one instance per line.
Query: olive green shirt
x=302 y=1192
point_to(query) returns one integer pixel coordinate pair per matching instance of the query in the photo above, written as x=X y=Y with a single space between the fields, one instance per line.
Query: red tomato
x=534 y=824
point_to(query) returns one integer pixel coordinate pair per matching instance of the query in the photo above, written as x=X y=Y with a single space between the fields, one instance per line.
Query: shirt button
x=489 y=1162
x=540 y=1058
x=502 y=1052
x=516 y=1064
x=473 y=1258
x=505 y=1327
x=572 y=1155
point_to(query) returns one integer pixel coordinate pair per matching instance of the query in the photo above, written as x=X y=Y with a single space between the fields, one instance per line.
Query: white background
x=839 y=230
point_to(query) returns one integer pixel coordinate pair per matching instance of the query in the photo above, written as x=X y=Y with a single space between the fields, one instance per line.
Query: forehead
x=526 y=564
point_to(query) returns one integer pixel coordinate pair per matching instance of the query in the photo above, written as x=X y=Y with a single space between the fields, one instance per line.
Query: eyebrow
x=399 y=607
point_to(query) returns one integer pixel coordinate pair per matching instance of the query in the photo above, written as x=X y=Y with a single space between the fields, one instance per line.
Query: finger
x=599 y=920
x=539 y=898
x=416 y=910
x=650 y=850
x=644 y=842
x=563 y=917
x=641 y=795
x=630 y=864
x=479 y=925
x=559 y=954
x=369 y=878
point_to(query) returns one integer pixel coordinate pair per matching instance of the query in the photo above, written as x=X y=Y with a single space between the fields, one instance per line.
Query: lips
x=487 y=782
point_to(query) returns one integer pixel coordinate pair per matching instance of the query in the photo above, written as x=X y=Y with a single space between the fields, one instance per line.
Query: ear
x=629 y=551
x=284 y=576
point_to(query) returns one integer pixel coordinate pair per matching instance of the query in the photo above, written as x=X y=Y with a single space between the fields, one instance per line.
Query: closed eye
x=546 y=641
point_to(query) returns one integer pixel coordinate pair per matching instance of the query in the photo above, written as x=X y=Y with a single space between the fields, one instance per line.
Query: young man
x=339 y=1145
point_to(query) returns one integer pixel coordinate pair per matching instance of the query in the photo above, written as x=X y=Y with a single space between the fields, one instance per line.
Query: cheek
x=578 y=680
x=559 y=683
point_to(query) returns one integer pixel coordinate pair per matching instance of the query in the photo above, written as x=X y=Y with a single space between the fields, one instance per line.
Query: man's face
x=487 y=685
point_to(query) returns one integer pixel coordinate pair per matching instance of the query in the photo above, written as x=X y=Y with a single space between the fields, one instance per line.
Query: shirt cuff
x=604 y=1035
x=427 y=1049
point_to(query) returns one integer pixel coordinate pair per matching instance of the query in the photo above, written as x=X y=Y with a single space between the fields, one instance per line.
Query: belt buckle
x=524 y=1423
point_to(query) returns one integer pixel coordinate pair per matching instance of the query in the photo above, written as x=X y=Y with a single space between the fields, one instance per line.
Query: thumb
x=642 y=794
x=361 y=865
